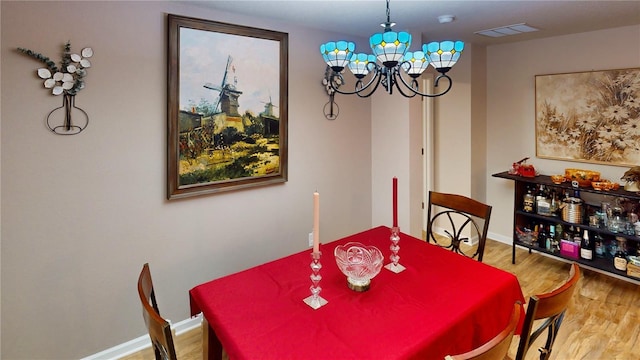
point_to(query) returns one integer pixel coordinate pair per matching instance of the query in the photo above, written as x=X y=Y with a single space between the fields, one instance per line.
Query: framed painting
x=227 y=107
x=591 y=117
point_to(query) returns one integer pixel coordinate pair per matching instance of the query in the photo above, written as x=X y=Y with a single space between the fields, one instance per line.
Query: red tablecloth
x=443 y=303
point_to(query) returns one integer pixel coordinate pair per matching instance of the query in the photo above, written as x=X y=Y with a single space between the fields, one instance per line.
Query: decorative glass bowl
x=360 y=263
x=583 y=177
x=605 y=185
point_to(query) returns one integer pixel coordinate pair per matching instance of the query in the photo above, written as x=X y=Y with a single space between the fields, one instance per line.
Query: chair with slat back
x=551 y=308
x=460 y=218
x=496 y=348
x=159 y=329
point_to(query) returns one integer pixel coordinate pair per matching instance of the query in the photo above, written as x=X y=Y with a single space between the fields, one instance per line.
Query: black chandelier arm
x=413 y=93
x=359 y=91
x=377 y=78
x=435 y=84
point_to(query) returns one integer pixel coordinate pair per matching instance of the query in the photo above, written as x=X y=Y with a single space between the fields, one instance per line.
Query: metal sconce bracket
x=331 y=109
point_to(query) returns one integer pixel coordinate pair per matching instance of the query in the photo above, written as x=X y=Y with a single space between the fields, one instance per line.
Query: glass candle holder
x=315 y=301
x=394 y=265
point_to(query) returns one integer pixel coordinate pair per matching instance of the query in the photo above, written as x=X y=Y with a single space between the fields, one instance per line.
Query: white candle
x=316 y=222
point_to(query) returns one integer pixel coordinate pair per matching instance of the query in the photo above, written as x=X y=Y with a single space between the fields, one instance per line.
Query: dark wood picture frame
x=218 y=137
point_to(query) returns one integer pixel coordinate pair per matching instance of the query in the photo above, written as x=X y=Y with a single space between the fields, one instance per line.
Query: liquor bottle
x=568 y=235
x=550 y=238
x=528 y=201
x=611 y=247
x=543 y=204
x=576 y=193
x=576 y=236
x=554 y=204
x=586 y=247
x=542 y=236
x=620 y=259
x=599 y=246
x=559 y=232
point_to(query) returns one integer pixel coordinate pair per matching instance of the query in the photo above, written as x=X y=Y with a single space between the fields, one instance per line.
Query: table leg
x=211 y=346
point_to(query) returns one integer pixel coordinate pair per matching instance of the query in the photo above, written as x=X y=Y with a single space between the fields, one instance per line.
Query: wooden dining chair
x=159 y=329
x=460 y=218
x=496 y=348
x=551 y=308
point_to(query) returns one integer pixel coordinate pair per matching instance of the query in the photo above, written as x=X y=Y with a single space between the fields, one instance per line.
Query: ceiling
x=362 y=17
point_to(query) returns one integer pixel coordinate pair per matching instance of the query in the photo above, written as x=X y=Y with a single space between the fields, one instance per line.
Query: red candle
x=395 y=201
x=316 y=222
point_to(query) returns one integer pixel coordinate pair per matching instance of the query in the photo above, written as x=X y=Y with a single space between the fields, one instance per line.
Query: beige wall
x=453 y=137
x=390 y=157
x=416 y=176
x=81 y=214
x=0 y=191
x=511 y=71
x=478 y=123
x=397 y=141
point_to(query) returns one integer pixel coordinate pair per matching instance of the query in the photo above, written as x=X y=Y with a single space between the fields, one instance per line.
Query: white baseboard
x=500 y=238
x=470 y=241
x=143 y=342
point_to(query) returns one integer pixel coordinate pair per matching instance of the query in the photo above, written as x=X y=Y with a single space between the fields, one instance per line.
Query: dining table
x=443 y=303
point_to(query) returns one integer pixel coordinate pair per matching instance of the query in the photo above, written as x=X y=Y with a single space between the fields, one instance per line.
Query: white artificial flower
x=57 y=90
x=44 y=73
x=83 y=60
x=69 y=79
x=59 y=82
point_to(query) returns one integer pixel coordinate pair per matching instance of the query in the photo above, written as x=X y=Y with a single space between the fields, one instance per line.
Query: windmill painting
x=227 y=107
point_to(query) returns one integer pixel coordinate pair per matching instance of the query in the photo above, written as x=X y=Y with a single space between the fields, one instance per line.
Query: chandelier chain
x=388 y=13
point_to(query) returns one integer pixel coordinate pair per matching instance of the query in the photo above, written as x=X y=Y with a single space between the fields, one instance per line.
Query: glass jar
x=606 y=213
x=616 y=223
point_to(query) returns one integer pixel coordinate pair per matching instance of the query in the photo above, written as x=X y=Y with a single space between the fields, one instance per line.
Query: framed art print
x=591 y=117
x=227 y=107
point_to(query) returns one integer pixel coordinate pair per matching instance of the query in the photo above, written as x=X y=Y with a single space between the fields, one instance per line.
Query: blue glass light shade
x=415 y=62
x=443 y=55
x=337 y=54
x=359 y=64
x=390 y=45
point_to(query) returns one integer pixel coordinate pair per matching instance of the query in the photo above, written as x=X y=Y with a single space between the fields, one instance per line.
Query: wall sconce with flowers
x=67 y=80
x=331 y=109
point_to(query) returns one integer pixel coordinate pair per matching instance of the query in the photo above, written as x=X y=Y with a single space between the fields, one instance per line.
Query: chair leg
x=545 y=352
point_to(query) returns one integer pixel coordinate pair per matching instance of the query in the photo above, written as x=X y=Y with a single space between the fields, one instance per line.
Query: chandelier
x=389 y=60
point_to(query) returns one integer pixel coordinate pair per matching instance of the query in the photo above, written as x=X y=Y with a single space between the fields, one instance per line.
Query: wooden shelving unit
x=522 y=218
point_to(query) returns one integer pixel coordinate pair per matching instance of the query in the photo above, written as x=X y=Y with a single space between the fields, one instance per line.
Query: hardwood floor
x=603 y=319
x=188 y=347
x=602 y=322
